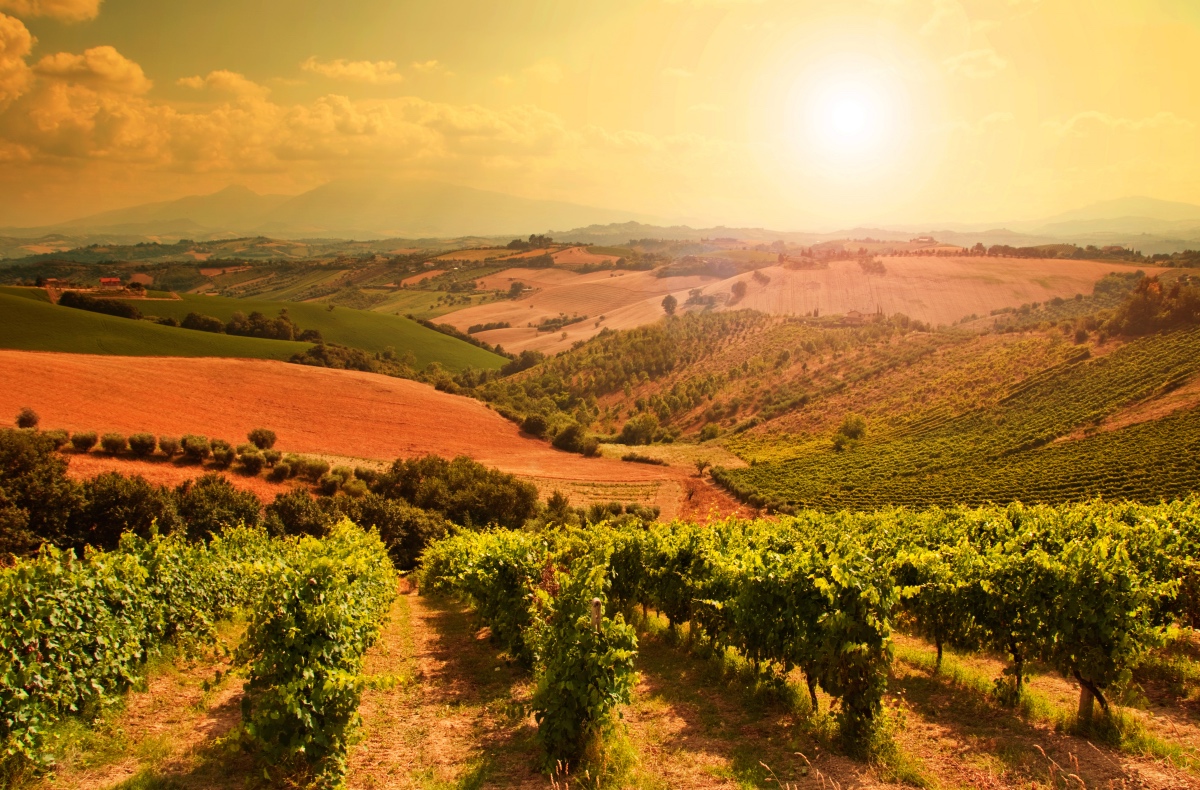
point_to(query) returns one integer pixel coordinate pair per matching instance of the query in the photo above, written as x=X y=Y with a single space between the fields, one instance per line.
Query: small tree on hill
x=262 y=438
x=27 y=418
x=669 y=303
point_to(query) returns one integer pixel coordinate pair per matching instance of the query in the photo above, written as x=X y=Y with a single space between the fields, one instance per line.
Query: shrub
x=355 y=488
x=262 y=438
x=59 y=437
x=211 y=504
x=113 y=443
x=709 y=432
x=169 y=446
x=404 y=529
x=27 y=418
x=639 y=430
x=36 y=496
x=271 y=457
x=142 y=444
x=535 y=425
x=203 y=323
x=313 y=468
x=279 y=472
x=462 y=490
x=297 y=513
x=246 y=447
x=223 y=453
x=853 y=427
x=83 y=441
x=114 y=504
x=252 y=463
x=195 y=448
x=343 y=473
x=573 y=438
x=329 y=484
x=366 y=474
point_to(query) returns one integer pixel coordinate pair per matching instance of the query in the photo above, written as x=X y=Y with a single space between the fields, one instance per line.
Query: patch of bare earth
x=957 y=731
x=455 y=713
x=83 y=466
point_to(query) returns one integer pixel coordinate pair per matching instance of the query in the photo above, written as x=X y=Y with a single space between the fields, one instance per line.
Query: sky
x=789 y=114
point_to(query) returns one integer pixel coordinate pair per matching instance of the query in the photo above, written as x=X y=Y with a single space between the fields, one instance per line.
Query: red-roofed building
x=110 y=283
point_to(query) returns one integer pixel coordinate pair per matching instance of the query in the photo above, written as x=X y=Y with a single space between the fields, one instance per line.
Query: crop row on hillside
x=1009 y=450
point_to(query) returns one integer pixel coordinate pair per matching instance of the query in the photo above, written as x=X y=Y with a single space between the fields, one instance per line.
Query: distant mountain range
x=375 y=209
x=357 y=209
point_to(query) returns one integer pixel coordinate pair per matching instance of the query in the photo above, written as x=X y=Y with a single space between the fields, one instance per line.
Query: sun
x=848 y=113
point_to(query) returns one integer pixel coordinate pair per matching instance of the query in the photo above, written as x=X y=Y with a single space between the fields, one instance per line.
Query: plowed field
x=623 y=300
x=934 y=290
x=316 y=410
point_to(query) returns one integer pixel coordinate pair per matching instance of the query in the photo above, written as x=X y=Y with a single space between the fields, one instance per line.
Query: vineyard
x=1088 y=589
x=77 y=634
x=1046 y=441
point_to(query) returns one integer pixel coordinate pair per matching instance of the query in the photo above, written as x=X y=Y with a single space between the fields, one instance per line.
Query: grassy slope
x=32 y=325
x=363 y=329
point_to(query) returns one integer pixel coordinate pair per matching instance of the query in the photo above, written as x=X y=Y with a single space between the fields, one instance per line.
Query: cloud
x=425 y=66
x=101 y=68
x=705 y=107
x=948 y=17
x=226 y=82
x=372 y=72
x=546 y=70
x=1091 y=120
x=15 y=45
x=677 y=73
x=65 y=10
x=976 y=64
x=504 y=81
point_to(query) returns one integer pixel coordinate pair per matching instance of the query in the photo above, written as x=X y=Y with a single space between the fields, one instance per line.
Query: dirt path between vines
x=449 y=710
x=172 y=733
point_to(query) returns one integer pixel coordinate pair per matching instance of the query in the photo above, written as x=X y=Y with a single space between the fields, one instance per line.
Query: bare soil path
x=456 y=714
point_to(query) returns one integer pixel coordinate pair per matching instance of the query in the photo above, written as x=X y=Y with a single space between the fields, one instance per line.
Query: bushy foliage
x=223 y=453
x=461 y=490
x=83 y=441
x=112 y=504
x=169 y=445
x=36 y=497
x=262 y=438
x=203 y=323
x=195 y=448
x=80 y=301
x=211 y=503
x=142 y=444
x=641 y=429
x=252 y=462
x=1153 y=308
x=27 y=418
x=304 y=649
x=114 y=443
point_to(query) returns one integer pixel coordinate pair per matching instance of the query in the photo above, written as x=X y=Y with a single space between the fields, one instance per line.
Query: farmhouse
x=110 y=283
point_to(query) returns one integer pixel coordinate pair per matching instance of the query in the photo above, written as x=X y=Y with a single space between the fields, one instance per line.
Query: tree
x=738 y=290
x=36 y=496
x=515 y=290
x=640 y=430
x=142 y=444
x=27 y=418
x=701 y=465
x=262 y=438
x=669 y=303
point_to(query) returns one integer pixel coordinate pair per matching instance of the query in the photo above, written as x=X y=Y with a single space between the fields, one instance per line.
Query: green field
x=28 y=323
x=371 y=331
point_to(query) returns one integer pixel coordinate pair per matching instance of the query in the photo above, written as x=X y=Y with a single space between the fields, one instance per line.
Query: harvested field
x=578 y=256
x=160 y=471
x=624 y=299
x=934 y=290
x=312 y=410
x=472 y=256
x=422 y=277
